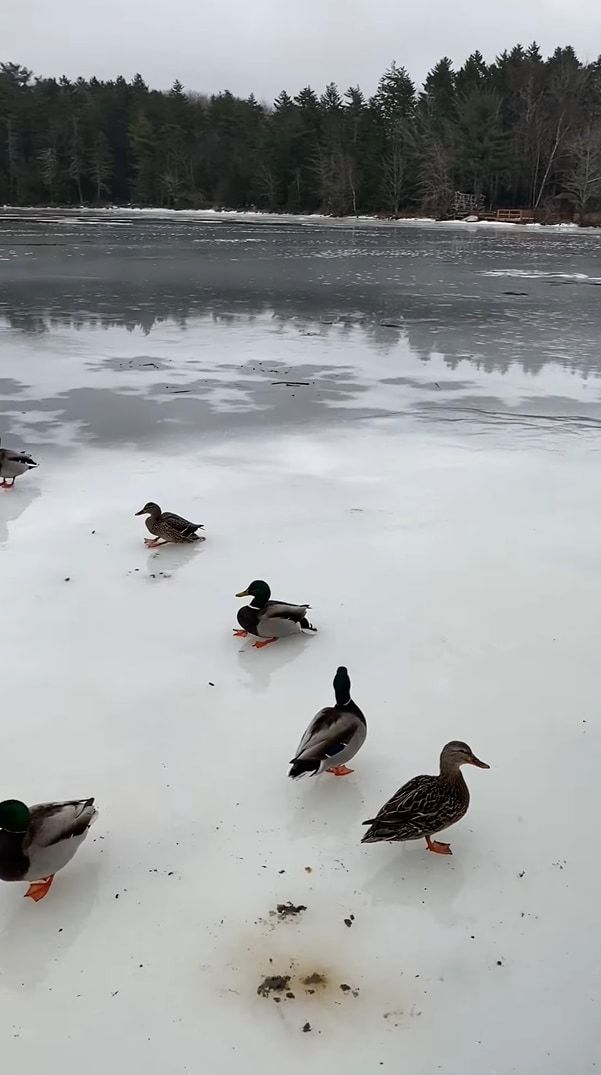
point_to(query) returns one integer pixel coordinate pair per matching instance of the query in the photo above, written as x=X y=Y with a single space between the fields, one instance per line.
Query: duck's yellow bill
x=243 y=593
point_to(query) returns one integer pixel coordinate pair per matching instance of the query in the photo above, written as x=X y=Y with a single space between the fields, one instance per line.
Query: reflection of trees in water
x=491 y=332
x=143 y=308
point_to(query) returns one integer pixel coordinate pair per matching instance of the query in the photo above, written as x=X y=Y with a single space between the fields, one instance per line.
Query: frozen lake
x=400 y=426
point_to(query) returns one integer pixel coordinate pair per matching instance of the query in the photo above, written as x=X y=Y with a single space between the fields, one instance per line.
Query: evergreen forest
x=524 y=130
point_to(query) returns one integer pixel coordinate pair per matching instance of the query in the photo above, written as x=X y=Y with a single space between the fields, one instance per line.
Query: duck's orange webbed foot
x=438 y=847
x=265 y=642
x=240 y=634
x=38 y=889
x=339 y=770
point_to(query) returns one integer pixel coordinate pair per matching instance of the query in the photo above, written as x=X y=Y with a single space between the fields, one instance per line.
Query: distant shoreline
x=258 y=216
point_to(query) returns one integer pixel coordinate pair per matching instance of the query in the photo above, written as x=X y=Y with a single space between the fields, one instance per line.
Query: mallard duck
x=37 y=841
x=267 y=619
x=169 y=527
x=335 y=734
x=12 y=465
x=427 y=804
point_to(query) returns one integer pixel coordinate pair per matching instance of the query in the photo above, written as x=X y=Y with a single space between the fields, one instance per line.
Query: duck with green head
x=37 y=841
x=334 y=735
x=269 y=620
x=427 y=804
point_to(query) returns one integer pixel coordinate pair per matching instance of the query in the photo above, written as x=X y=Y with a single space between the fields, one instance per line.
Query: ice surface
x=458 y=580
x=450 y=552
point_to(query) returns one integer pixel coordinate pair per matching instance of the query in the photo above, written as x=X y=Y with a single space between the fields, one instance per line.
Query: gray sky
x=266 y=45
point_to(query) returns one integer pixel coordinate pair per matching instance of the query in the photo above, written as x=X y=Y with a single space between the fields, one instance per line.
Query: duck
x=37 y=841
x=427 y=804
x=12 y=465
x=169 y=527
x=269 y=620
x=335 y=734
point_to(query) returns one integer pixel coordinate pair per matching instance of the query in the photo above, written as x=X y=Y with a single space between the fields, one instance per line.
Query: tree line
x=522 y=131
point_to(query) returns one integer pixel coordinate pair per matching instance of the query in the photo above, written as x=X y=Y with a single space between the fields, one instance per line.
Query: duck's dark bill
x=243 y=593
x=139 y=512
x=476 y=761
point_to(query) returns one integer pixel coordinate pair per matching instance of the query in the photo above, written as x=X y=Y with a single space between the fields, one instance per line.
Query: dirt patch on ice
x=288 y=910
x=273 y=985
x=298 y=983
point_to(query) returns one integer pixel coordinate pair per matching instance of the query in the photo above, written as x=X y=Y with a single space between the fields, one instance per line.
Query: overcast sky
x=262 y=46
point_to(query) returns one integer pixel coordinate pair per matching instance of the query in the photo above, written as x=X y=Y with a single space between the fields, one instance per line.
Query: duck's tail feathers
x=300 y=767
x=371 y=836
x=88 y=813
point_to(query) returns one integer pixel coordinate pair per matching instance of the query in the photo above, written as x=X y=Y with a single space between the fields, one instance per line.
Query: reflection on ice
x=32 y=944
x=220 y=374
x=163 y=563
x=326 y=808
x=412 y=877
x=258 y=667
x=170 y=335
x=14 y=502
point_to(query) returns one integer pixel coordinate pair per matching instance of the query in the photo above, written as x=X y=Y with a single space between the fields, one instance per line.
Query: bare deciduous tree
x=582 y=179
x=436 y=174
x=397 y=163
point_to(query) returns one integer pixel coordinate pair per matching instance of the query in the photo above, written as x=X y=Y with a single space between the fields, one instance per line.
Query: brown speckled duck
x=168 y=527
x=427 y=804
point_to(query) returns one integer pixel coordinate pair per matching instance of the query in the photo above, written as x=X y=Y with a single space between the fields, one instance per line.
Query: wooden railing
x=516 y=216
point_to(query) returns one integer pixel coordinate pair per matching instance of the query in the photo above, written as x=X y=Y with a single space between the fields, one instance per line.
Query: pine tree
x=99 y=165
x=144 y=154
x=14 y=80
x=48 y=166
x=306 y=188
x=472 y=76
x=327 y=162
x=76 y=159
x=482 y=143
x=394 y=103
x=438 y=138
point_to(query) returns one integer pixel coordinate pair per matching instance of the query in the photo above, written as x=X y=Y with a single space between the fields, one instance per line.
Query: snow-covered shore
x=115 y=212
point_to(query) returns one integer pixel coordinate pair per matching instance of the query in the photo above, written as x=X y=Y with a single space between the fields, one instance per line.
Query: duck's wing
x=411 y=809
x=18 y=457
x=176 y=524
x=281 y=610
x=53 y=822
x=328 y=734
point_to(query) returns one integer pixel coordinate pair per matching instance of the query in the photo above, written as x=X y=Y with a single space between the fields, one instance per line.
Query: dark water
x=131 y=328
